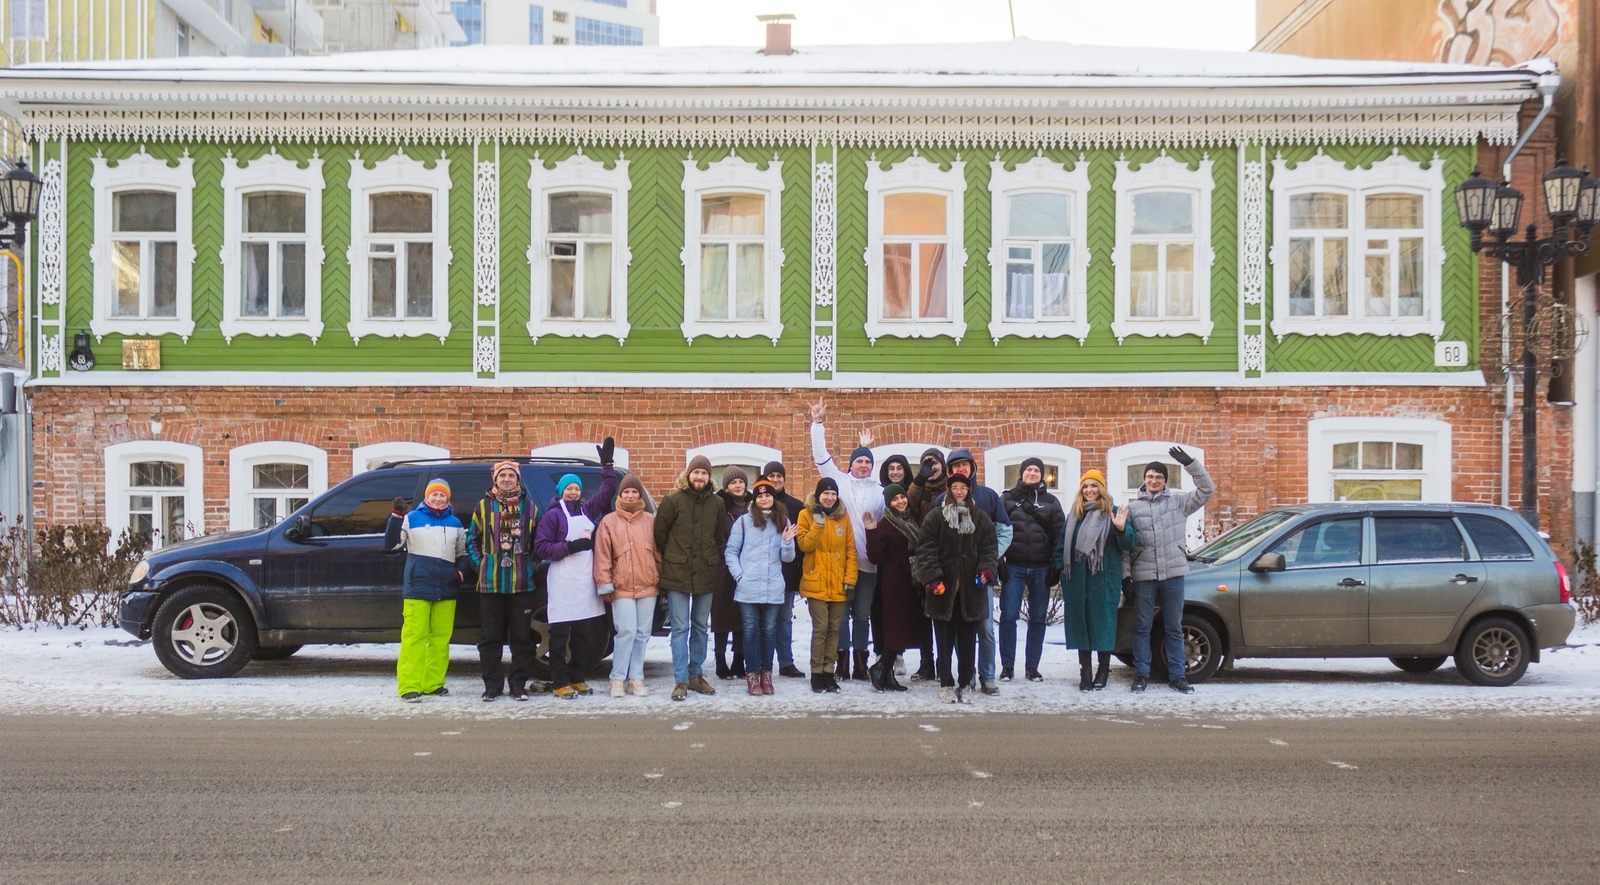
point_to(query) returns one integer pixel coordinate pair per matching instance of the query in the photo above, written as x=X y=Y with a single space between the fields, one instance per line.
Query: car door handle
x=1352 y=582
x=1464 y=579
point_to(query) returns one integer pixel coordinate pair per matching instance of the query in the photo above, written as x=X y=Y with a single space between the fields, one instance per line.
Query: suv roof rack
x=489 y=459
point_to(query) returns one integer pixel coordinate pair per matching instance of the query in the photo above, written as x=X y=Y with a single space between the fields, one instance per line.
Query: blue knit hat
x=862 y=452
x=567 y=480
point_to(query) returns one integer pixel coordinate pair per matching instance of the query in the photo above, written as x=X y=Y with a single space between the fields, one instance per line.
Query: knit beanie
x=826 y=484
x=567 y=480
x=957 y=479
x=861 y=452
x=1095 y=475
x=506 y=465
x=699 y=462
x=774 y=467
x=763 y=485
x=1032 y=462
x=1158 y=467
x=891 y=490
x=733 y=472
x=436 y=485
x=932 y=452
x=631 y=481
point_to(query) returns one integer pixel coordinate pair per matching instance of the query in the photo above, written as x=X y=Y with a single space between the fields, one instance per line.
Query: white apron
x=571 y=580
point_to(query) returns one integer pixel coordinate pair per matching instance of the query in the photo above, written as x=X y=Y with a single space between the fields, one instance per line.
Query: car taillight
x=1566 y=582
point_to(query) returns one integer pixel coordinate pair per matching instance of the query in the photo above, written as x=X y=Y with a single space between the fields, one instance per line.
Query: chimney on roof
x=778 y=42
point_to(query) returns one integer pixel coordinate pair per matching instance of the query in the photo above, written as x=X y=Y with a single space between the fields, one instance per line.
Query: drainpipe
x=1547 y=92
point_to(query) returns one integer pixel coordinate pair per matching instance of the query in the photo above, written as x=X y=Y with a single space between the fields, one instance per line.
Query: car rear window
x=362 y=508
x=1494 y=539
x=1419 y=539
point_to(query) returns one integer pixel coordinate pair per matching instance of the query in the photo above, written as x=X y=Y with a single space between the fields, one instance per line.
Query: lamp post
x=1572 y=200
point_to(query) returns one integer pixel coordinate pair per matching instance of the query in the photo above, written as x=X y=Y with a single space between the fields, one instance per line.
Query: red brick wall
x=1255 y=439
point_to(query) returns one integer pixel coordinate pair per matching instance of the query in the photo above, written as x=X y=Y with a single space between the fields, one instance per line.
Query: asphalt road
x=929 y=799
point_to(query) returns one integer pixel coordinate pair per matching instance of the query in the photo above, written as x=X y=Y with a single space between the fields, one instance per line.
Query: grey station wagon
x=1415 y=583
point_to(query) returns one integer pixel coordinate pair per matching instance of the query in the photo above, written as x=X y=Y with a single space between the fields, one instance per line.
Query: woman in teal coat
x=1096 y=536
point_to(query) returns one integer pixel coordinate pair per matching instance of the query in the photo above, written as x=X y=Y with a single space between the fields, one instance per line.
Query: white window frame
x=1393 y=174
x=142 y=172
x=579 y=173
x=917 y=175
x=362 y=457
x=723 y=454
x=579 y=450
x=733 y=176
x=398 y=173
x=241 y=480
x=1119 y=458
x=270 y=174
x=121 y=456
x=1322 y=434
x=1068 y=462
x=1163 y=174
x=1039 y=175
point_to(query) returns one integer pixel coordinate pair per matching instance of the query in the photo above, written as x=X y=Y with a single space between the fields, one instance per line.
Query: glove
x=579 y=545
x=1180 y=456
x=398 y=507
x=934 y=587
x=849 y=592
x=923 y=475
x=607 y=450
x=986 y=578
x=1052 y=577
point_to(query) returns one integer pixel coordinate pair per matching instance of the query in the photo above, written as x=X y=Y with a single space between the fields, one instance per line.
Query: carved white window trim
x=119 y=459
x=1163 y=174
x=270 y=173
x=916 y=175
x=399 y=173
x=1322 y=434
x=142 y=172
x=579 y=173
x=1393 y=174
x=733 y=176
x=363 y=458
x=241 y=460
x=1040 y=175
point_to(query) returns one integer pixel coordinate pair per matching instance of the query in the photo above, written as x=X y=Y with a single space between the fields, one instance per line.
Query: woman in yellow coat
x=829 y=580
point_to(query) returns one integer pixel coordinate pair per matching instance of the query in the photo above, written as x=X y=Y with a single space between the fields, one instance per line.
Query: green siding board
x=1458 y=279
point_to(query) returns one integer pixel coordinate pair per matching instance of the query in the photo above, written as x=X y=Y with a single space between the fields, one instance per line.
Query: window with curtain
x=273 y=256
x=1038 y=256
x=1394 y=250
x=144 y=254
x=580 y=242
x=915 y=247
x=1162 y=254
x=400 y=256
x=1319 y=250
x=156 y=498
x=732 y=257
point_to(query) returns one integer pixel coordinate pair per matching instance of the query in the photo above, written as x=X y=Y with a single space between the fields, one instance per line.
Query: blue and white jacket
x=755 y=559
x=436 y=552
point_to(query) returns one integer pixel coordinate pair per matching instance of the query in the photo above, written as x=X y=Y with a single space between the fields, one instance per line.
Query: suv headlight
x=140 y=571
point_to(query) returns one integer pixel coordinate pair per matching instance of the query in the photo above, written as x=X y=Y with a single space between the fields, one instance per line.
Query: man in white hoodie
x=862 y=498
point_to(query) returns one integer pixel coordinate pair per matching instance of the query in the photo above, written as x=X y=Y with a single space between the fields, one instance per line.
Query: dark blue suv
x=321 y=576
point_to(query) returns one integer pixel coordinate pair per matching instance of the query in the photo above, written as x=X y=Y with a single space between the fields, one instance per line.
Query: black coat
x=1037 y=521
x=903 y=624
x=725 y=614
x=949 y=556
x=793 y=570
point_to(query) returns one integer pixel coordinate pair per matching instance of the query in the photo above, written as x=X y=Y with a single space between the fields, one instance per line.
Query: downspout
x=1547 y=86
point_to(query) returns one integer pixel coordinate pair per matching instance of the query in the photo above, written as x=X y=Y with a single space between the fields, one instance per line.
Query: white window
x=1038 y=258
x=583 y=450
x=731 y=254
x=1357 y=251
x=267 y=481
x=1378 y=459
x=372 y=457
x=579 y=255
x=156 y=489
x=1163 y=254
x=1062 y=467
x=915 y=254
x=272 y=247
x=399 y=248
x=748 y=457
x=143 y=246
x=1125 y=466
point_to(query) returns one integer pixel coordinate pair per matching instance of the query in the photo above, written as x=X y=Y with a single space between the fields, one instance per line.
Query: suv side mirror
x=1268 y=562
x=299 y=530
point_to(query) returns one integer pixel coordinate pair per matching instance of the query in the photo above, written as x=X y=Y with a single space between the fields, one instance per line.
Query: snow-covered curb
x=101 y=672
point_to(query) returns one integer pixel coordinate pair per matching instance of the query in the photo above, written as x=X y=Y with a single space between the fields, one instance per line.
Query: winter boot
x=841 y=669
x=723 y=670
x=832 y=686
x=819 y=683
x=766 y=681
x=925 y=670
x=738 y=656
x=791 y=671
x=699 y=684
x=1102 y=672
x=861 y=667
x=1034 y=675
x=1006 y=675
x=636 y=688
x=680 y=691
x=582 y=688
x=1181 y=686
x=1140 y=683
x=1085 y=678
x=752 y=683
x=617 y=688
x=875 y=674
x=889 y=682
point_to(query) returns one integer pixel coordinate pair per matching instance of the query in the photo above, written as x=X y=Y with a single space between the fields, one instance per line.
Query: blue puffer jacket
x=436 y=552
x=755 y=558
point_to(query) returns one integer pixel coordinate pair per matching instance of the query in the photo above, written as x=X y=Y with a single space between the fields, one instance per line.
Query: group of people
x=888 y=558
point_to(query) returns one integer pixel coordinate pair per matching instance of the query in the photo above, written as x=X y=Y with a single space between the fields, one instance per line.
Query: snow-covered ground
x=105 y=672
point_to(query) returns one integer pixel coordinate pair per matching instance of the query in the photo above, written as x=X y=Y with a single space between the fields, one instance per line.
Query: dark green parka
x=945 y=554
x=691 y=532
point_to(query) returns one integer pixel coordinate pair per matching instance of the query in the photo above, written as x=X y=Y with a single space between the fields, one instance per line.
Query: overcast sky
x=1189 y=24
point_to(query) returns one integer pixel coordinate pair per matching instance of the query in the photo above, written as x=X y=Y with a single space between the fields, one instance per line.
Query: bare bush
x=62 y=575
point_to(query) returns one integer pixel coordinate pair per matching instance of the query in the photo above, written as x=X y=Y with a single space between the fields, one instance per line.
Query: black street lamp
x=1572 y=200
x=19 y=203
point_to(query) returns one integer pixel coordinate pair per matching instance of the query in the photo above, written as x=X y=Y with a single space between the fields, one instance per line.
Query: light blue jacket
x=755 y=558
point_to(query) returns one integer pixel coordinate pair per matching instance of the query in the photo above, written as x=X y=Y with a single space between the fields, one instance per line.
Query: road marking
x=1277 y=743
x=974 y=804
x=652 y=775
x=697 y=746
x=1342 y=765
x=671 y=804
x=423 y=753
x=981 y=774
x=449 y=732
x=926 y=727
x=284 y=829
x=1119 y=721
x=1219 y=727
x=683 y=726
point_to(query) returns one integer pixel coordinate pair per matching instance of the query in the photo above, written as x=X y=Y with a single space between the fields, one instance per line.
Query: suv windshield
x=1233 y=544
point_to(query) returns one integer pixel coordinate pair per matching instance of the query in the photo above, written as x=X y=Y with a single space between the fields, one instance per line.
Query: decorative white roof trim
x=1430 y=125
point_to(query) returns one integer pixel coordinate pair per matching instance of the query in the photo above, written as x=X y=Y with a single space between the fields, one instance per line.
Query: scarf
x=508 y=525
x=912 y=533
x=630 y=506
x=1091 y=535
x=959 y=516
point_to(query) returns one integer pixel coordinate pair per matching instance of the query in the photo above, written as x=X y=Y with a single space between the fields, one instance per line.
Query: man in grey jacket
x=1160 y=561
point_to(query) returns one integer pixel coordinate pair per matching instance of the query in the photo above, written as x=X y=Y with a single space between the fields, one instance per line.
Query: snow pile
x=106 y=672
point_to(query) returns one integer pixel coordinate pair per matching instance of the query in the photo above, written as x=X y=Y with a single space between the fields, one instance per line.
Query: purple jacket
x=550 y=541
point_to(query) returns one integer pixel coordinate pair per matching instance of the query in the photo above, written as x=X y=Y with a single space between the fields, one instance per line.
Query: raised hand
x=791 y=531
x=399 y=506
x=1120 y=518
x=1180 y=456
x=607 y=450
x=868 y=521
x=866 y=438
x=819 y=410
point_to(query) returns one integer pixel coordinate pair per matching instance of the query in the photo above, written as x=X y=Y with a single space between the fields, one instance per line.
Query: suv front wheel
x=203 y=632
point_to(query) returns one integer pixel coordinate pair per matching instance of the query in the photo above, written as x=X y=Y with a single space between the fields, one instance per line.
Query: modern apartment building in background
x=96 y=30
x=559 y=22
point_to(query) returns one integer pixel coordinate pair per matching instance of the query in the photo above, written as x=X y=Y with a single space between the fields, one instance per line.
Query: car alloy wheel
x=1494 y=652
x=203 y=632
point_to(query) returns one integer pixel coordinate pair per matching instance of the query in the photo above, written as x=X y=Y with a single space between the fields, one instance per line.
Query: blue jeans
x=1146 y=596
x=760 y=634
x=853 y=630
x=986 y=640
x=785 y=639
x=691 y=621
x=1020 y=581
x=632 y=619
